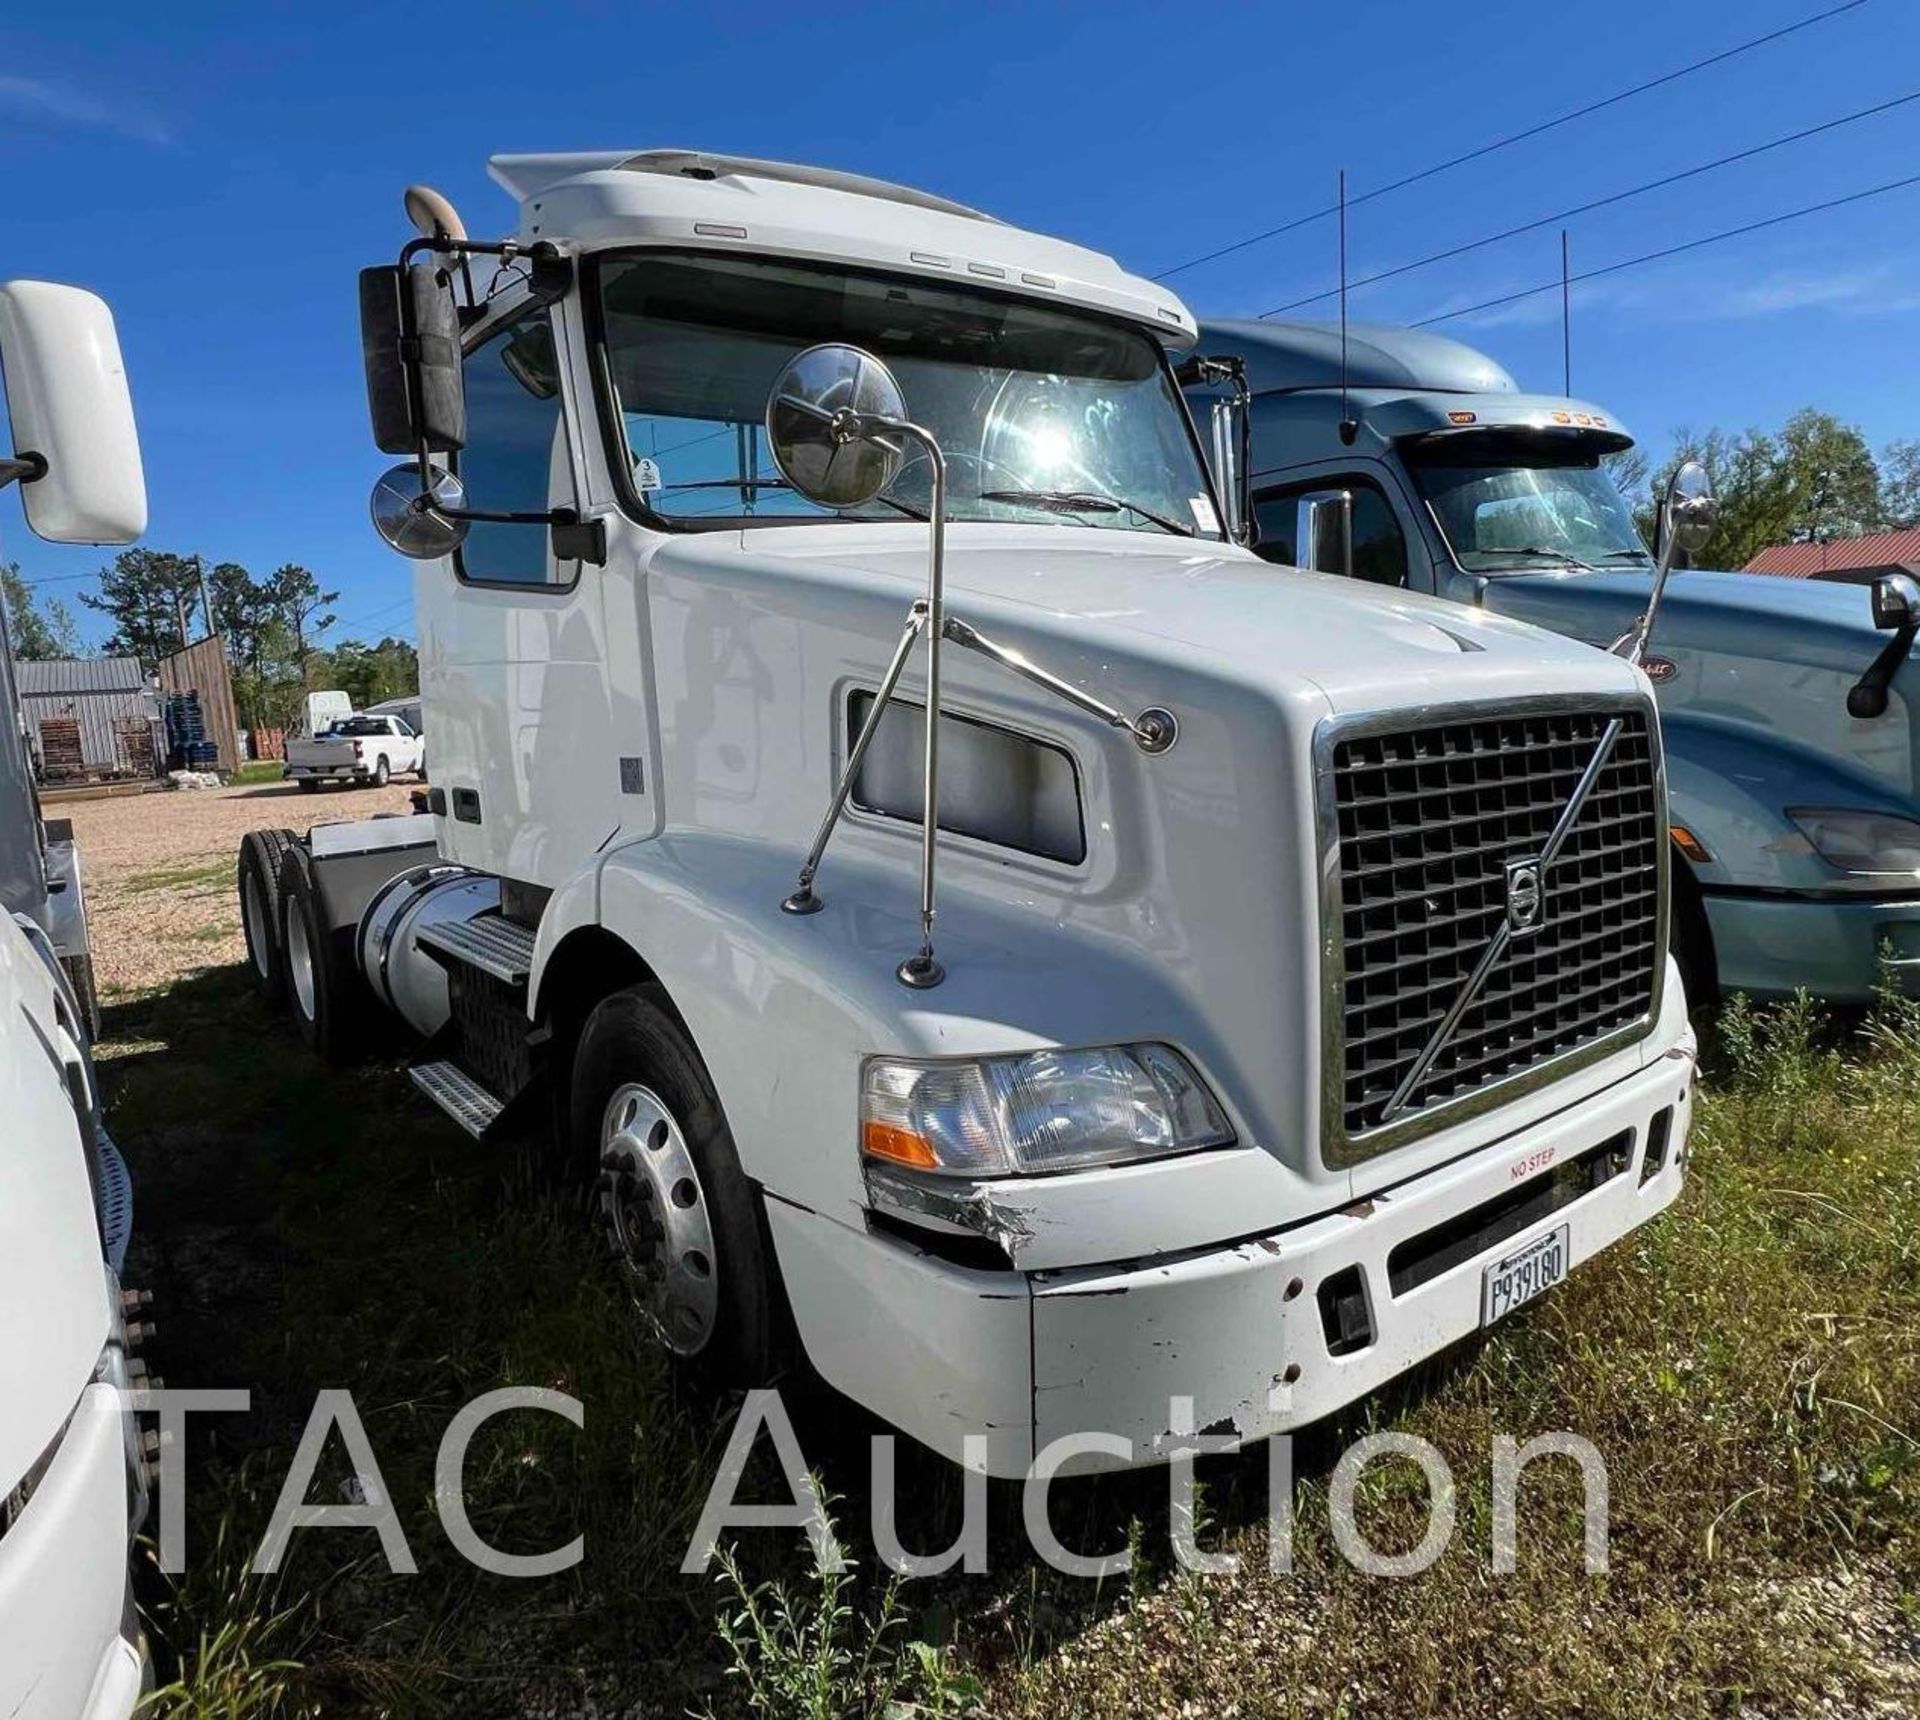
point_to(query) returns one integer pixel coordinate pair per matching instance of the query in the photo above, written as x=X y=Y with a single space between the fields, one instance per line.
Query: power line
x=1512 y=138
x=1598 y=203
x=372 y=614
x=1672 y=250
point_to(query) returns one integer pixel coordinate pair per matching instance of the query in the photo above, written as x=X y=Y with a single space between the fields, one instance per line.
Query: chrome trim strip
x=1338 y=1151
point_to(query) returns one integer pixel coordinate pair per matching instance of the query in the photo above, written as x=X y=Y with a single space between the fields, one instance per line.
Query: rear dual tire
x=257 y=878
x=327 y=997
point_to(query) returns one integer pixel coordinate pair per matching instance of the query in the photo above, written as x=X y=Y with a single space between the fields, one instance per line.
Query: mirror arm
x=1868 y=697
x=1154 y=731
x=22 y=468
x=804 y=900
x=1633 y=643
x=574 y=539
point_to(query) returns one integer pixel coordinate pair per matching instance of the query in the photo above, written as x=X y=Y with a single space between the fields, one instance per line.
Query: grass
x=1749 y=1366
x=258 y=771
x=192 y=878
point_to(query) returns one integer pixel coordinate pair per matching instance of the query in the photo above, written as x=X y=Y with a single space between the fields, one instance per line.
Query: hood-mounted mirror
x=838 y=427
x=1896 y=610
x=1688 y=514
x=834 y=424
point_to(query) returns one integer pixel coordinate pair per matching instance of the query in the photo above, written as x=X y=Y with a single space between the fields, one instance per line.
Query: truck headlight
x=1861 y=842
x=1041 y=1111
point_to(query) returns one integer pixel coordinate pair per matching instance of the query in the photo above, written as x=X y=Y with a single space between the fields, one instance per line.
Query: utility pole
x=180 y=614
x=1566 y=320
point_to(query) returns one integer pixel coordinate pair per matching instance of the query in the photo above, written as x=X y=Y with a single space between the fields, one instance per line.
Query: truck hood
x=1817 y=624
x=53 y=1298
x=1359 y=646
x=1755 y=660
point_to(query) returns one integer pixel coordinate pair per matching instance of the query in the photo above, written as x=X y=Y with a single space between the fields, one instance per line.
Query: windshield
x=1044 y=415
x=1501 y=515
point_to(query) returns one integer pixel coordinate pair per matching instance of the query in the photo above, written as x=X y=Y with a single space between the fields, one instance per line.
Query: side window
x=1379 y=546
x=515 y=460
x=1379 y=549
x=1275 y=514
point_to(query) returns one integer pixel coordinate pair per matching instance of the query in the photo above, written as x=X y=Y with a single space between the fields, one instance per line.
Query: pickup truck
x=363 y=748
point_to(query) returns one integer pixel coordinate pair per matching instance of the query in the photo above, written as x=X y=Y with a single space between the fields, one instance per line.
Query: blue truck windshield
x=1501 y=518
x=1043 y=414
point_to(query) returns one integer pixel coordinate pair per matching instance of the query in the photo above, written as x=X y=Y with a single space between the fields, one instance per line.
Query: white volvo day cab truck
x=73 y=1470
x=1281 y=989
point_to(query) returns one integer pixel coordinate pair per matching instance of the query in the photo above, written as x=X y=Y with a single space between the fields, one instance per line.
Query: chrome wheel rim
x=253 y=918
x=300 y=963
x=653 y=1212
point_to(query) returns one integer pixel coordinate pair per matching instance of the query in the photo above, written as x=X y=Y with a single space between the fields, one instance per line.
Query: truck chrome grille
x=1440 y=828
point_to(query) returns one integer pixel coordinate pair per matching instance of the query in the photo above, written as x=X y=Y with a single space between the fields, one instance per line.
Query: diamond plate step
x=503 y=948
x=458 y=1094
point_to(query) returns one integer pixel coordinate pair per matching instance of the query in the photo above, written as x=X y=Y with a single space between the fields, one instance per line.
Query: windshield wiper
x=1533 y=552
x=906 y=508
x=1085 y=502
x=1627 y=555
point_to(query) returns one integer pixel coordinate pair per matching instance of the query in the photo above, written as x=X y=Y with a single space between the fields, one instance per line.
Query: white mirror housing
x=67 y=398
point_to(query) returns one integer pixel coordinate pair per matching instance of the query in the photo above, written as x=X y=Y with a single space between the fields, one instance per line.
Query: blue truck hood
x=1756 y=661
x=1789 y=620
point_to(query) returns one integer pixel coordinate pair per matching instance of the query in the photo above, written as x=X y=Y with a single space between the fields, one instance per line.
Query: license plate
x=1520 y=1277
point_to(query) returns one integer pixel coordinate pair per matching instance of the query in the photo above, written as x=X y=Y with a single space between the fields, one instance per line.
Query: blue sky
x=220 y=173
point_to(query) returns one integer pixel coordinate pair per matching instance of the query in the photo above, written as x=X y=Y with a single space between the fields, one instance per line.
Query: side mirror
x=1896 y=610
x=410 y=348
x=832 y=423
x=77 y=451
x=410 y=519
x=1323 y=532
x=1896 y=602
x=1689 y=511
x=1688 y=514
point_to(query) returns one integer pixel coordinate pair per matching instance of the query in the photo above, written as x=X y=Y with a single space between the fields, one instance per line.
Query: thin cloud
x=1699 y=295
x=38 y=102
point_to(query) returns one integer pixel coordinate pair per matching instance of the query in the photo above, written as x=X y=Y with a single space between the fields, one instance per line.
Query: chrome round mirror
x=825 y=425
x=409 y=522
x=1692 y=513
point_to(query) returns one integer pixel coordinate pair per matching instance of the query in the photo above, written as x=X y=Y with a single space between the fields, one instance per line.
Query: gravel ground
x=159 y=870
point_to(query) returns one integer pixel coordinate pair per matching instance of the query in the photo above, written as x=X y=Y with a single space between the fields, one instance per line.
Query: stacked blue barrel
x=187 y=745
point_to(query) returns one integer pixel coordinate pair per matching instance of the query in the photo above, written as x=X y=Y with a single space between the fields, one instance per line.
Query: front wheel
x=678 y=1215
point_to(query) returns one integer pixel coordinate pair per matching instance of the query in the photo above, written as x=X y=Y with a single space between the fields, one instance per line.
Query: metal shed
x=89 y=717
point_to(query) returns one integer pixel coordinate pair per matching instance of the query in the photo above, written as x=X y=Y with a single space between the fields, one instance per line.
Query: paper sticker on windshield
x=646 y=475
x=1203 y=515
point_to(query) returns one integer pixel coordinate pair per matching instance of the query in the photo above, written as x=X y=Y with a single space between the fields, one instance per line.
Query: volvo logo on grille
x=1526 y=899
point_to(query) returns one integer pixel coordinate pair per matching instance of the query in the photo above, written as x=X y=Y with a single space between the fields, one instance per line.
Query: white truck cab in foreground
x=1293 y=994
x=73 y=1480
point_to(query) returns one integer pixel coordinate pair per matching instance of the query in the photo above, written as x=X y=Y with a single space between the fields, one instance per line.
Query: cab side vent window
x=996 y=785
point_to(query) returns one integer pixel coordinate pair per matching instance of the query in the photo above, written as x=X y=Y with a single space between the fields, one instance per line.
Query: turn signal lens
x=1044 y=1111
x=1690 y=845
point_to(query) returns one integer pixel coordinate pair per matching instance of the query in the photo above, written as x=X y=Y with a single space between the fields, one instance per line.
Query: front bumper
x=942 y=1351
x=1840 y=951
x=70 y=1644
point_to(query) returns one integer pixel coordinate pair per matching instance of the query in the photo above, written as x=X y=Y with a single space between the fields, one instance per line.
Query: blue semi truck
x=1791 y=710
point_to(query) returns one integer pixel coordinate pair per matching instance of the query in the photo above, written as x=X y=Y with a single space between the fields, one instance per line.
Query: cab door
x=513 y=638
